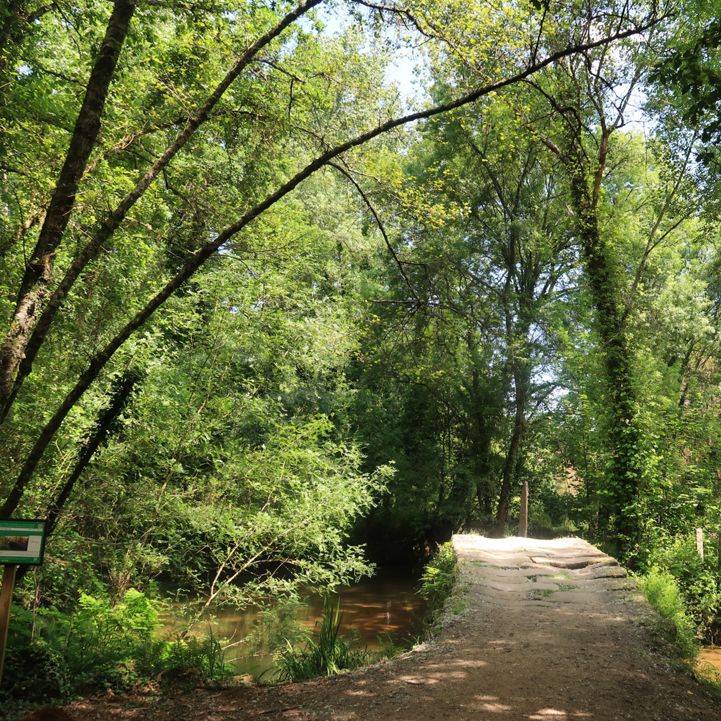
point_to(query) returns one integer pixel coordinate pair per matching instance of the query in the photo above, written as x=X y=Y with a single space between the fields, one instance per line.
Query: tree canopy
x=266 y=316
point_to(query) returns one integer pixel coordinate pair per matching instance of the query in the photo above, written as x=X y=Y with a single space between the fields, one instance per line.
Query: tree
x=115 y=244
x=589 y=109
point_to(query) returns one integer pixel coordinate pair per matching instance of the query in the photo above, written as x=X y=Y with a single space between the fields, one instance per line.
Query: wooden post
x=6 y=597
x=523 y=519
x=699 y=542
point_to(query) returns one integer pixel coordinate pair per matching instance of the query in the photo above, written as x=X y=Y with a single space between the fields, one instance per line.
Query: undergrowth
x=438 y=579
x=55 y=655
x=663 y=593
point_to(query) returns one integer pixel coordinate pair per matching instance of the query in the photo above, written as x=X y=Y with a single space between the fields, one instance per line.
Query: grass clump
x=663 y=593
x=328 y=655
x=202 y=657
x=439 y=577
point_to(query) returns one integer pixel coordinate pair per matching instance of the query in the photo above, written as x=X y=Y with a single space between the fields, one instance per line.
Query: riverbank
x=550 y=630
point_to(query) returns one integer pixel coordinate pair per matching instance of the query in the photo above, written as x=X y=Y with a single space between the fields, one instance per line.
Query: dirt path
x=550 y=631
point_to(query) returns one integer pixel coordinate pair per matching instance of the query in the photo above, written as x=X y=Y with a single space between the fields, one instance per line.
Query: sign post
x=6 y=595
x=21 y=543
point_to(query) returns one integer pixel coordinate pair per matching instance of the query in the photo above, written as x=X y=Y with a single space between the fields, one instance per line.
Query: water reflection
x=377 y=610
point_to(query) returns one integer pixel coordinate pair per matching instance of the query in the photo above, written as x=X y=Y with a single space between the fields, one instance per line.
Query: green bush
x=439 y=575
x=663 y=593
x=327 y=656
x=53 y=654
x=202 y=656
x=35 y=674
x=697 y=580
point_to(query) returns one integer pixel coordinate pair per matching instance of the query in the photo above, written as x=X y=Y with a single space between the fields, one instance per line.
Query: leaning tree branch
x=199 y=257
x=26 y=344
x=38 y=271
x=381 y=227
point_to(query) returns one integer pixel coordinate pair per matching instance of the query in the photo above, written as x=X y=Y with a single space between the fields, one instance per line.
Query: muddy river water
x=710 y=658
x=386 y=608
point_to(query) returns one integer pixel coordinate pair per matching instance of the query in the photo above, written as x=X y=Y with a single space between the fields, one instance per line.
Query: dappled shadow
x=538 y=643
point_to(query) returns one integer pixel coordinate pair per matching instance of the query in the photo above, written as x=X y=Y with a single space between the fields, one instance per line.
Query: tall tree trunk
x=38 y=271
x=482 y=419
x=619 y=498
x=508 y=482
x=517 y=330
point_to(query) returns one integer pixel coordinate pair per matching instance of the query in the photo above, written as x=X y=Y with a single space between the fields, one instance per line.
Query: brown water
x=375 y=611
x=709 y=660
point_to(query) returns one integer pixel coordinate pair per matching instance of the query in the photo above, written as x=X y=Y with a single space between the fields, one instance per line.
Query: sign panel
x=22 y=542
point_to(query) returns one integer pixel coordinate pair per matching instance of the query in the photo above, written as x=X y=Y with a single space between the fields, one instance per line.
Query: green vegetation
x=101 y=645
x=663 y=593
x=697 y=581
x=439 y=577
x=263 y=326
x=326 y=655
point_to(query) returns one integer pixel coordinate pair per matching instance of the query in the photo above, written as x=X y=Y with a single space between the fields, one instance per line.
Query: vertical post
x=6 y=596
x=699 y=542
x=523 y=519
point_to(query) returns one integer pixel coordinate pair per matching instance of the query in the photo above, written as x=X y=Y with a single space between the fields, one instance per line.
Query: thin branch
x=379 y=223
x=194 y=262
x=653 y=242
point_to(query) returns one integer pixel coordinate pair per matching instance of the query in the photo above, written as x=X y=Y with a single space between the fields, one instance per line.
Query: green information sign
x=22 y=542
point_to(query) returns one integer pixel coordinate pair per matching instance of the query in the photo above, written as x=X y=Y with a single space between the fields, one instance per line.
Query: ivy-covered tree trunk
x=518 y=324
x=618 y=498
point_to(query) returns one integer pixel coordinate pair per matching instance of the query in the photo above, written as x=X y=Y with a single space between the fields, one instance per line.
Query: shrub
x=663 y=593
x=697 y=580
x=35 y=674
x=439 y=575
x=97 y=646
x=53 y=654
x=202 y=656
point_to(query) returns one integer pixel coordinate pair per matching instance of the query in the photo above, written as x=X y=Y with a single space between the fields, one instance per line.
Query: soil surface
x=543 y=631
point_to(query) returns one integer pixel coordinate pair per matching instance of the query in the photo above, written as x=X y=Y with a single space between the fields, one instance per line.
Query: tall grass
x=663 y=593
x=326 y=656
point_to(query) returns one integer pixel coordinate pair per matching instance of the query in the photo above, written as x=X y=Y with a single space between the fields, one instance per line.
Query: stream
x=375 y=611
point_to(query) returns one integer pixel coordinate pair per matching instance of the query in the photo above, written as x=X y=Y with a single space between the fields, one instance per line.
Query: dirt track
x=549 y=631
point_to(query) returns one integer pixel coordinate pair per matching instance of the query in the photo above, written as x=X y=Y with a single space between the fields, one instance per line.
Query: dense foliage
x=266 y=315
x=55 y=655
